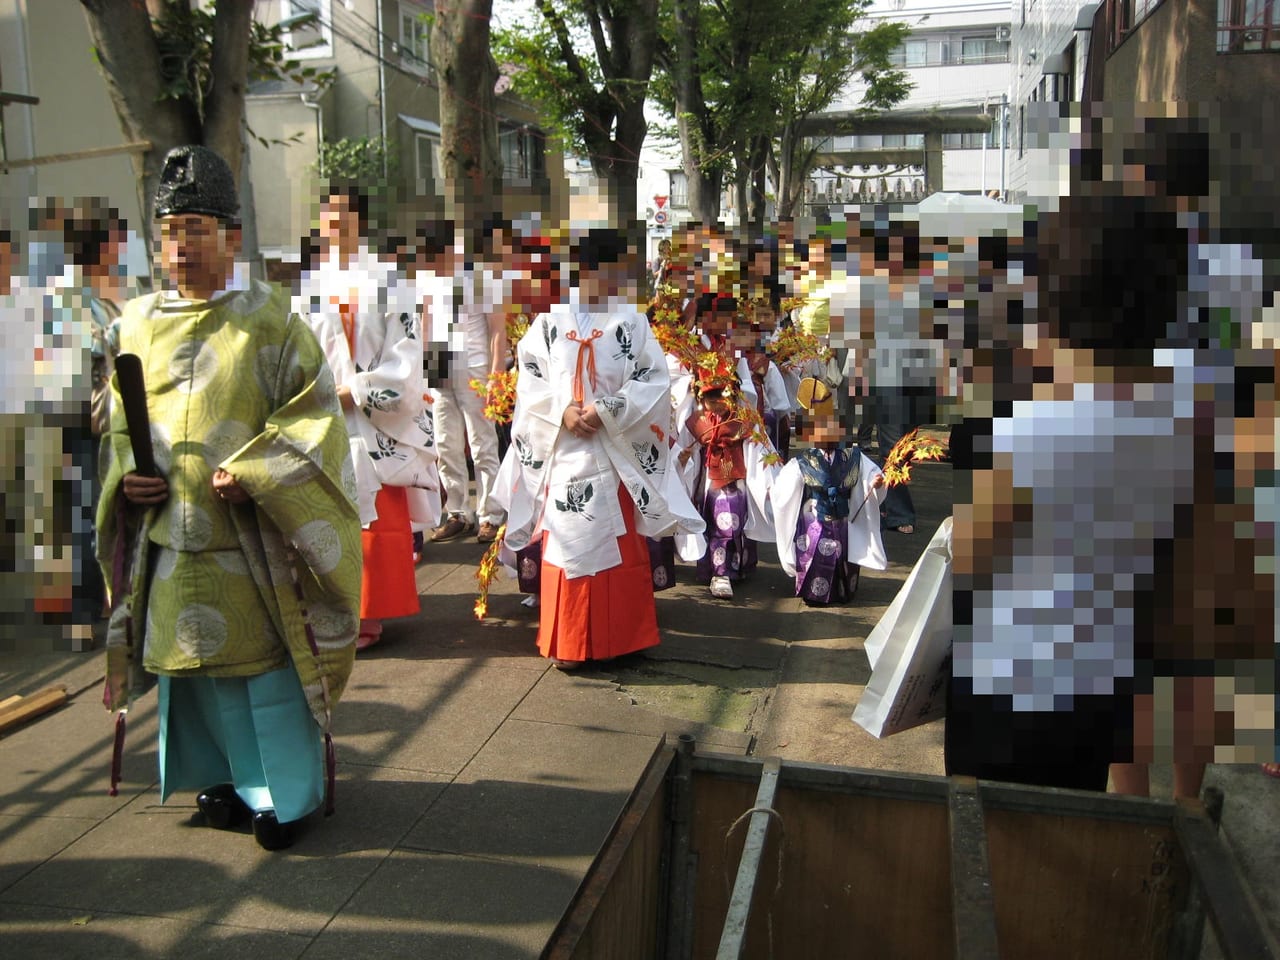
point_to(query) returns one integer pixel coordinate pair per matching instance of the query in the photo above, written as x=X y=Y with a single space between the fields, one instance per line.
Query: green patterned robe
x=209 y=588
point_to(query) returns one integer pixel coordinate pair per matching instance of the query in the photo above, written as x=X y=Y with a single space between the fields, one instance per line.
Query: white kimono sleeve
x=535 y=425
x=788 y=496
x=866 y=547
x=775 y=391
x=636 y=418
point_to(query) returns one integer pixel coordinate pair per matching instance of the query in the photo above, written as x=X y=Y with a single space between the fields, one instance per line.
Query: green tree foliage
x=587 y=65
x=738 y=77
x=358 y=159
x=813 y=76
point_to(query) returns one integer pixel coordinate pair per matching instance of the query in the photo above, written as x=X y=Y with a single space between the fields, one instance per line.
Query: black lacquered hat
x=195 y=179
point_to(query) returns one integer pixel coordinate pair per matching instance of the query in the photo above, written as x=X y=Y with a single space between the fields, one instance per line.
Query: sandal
x=1271 y=770
x=906 y=529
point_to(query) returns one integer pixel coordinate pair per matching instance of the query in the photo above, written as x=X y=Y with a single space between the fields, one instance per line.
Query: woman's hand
x=576 y=420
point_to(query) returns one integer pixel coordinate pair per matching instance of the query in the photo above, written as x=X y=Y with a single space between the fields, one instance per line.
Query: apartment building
x=384 y=86
x=957 y=58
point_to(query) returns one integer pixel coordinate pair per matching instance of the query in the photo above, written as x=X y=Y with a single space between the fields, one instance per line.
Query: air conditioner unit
x=1003 y=33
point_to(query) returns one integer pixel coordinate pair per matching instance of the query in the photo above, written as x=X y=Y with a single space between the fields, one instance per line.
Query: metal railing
x=1248 y=26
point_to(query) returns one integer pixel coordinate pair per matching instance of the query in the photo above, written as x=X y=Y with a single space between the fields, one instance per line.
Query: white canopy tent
x=967 y=215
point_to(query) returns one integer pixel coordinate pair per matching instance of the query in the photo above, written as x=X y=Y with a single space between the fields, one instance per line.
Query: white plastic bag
x=910 y=648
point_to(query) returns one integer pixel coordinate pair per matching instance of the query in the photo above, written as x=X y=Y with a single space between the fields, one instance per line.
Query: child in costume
x=827 y=506
x=732 y=480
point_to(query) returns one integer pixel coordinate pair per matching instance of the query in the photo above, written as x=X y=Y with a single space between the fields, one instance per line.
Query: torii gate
x=932 y=123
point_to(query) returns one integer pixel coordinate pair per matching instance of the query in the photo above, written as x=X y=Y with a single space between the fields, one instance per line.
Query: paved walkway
x=475 y=782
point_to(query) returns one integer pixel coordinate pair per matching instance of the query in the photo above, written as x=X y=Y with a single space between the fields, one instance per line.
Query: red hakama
x=389 y=587
x=604 y=615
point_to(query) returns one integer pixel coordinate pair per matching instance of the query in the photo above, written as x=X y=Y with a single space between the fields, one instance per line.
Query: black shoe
x=270 y=833
x=222 y=807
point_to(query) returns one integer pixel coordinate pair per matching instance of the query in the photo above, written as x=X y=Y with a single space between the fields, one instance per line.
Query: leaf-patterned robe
x=392 y=434
x=567 y=485
x=232 y=590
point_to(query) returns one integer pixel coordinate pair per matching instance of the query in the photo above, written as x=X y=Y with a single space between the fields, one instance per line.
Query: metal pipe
x=1004 y=142
x=733 y=936
x=985 y=138
x=382 y=89
x=315 y=105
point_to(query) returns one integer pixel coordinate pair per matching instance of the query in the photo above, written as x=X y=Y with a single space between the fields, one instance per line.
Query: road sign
x=660 y=218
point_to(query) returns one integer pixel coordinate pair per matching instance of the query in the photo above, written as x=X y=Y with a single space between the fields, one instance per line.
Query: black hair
x=769 y=246
x=354 y=195
x=481 y=244
x=909 y=231
x=994 y=249
x=1113 y=272
x=88 y=230
x=434 y=237
x=600 y=245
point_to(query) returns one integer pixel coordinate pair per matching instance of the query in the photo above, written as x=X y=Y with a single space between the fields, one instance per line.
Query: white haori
x=391 y=431
x=566 y=486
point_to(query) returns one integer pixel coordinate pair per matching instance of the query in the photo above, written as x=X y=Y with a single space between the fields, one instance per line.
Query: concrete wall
x=282 y=174
x=1154 y=63
x=45 y=52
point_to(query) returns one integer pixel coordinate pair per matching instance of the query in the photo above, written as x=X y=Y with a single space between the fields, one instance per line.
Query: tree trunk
x=790 y=178
x=229 y=63
x=466 y=73
x=741 y=190
x=759 y=162
x=129 y=59
x=691 y=110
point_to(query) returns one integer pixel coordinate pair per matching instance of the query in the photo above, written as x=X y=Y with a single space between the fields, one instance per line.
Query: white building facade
x=957 y=58
x=1049 y=54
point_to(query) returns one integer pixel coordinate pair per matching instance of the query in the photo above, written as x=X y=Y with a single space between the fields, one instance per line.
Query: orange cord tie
x=585 y=346
x=347 y=311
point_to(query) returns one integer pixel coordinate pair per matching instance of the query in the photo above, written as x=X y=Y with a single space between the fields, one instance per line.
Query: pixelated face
x=760 y=265
x=824 y=429
x=764 y=319
x=534 y=289
x=716 y=321
x=819 y=256
x=339 y=221
x=197 y=250
x=742 y=334
x=599 y=283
